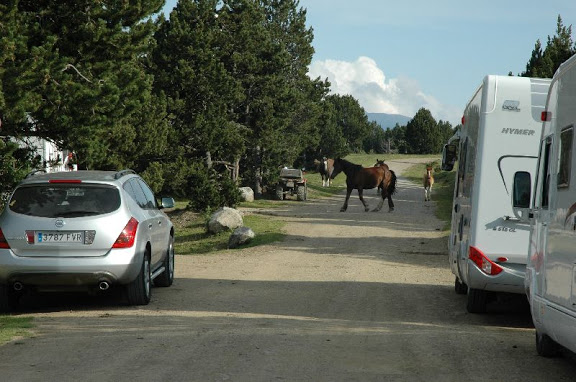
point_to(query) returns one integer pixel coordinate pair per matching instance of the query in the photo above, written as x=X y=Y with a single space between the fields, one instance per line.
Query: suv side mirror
x=521 y=190
x=449 y=156
x=167 y=203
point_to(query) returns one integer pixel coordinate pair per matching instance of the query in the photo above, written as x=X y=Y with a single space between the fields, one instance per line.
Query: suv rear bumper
x=119 y=266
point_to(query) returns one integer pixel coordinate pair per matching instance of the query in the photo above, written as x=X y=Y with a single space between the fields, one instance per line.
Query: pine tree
x=269 y=52
x=189 y=69
x=351 y=119
x=77 y=77
x=421 y=133
x=560 y=47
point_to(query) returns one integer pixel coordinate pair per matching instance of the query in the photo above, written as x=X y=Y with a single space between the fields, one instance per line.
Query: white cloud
x=366 y=82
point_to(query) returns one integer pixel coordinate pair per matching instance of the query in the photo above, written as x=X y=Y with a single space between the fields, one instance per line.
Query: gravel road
x=350 y=296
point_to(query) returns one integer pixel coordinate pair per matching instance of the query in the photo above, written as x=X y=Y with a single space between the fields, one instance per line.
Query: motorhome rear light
x=30 y=237
x=128 y=235
x=3 y=243
x=64 y=181
x=485 y=264
x=463 y=119
x=502 y=259
x=546 y=116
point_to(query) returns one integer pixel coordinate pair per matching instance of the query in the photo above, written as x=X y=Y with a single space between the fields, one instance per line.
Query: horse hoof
x=391 y=209
x=342 y=210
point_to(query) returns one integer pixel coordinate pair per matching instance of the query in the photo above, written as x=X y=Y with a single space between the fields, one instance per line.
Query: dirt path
x=348 y=296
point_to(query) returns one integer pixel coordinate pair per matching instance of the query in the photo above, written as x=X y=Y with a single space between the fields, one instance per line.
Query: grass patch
x=11 y=327
x=442 y=192
x=368 y=160
x=264 y=203
x=192 y=237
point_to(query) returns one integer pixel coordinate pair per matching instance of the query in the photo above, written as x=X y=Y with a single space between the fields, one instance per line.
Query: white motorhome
x=52 y=159
x=551 y=270
x=499 y=136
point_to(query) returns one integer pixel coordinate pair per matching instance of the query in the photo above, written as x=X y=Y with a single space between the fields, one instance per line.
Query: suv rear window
x=64 y=200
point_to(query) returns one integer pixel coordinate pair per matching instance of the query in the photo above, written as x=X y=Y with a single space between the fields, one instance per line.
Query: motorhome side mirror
x=449 y=157
x=521 y=190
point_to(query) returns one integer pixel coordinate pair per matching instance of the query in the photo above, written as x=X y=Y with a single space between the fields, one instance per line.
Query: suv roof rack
x=32 y=173
x=122 y=173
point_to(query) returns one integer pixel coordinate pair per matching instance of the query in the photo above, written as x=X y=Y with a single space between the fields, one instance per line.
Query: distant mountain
x=388 y=121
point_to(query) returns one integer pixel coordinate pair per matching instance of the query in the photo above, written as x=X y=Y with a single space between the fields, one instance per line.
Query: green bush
x=208 y=190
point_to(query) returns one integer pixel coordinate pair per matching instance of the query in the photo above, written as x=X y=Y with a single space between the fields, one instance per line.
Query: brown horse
x=360 y=178
x=428 y=183
x=325 y=168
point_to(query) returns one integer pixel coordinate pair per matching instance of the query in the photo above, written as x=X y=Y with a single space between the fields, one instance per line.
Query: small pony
x=428 y=183
x=360 y=178
x=325 y=168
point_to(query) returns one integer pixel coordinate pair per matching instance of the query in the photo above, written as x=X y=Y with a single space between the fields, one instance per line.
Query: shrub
x=208 y=190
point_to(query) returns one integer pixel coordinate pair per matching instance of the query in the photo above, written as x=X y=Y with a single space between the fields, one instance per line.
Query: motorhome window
x=546 y=174
x=462 y=167
x=565 y=157
x=521 y=194
x=448 y=157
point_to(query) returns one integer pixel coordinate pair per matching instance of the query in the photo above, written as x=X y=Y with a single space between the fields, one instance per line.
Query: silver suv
x=85 y=230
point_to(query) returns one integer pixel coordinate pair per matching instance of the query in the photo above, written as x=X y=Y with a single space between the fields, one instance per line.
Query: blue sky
x=398 y=56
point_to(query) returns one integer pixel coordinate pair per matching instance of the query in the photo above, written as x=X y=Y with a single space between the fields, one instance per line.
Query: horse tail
x=392 y=185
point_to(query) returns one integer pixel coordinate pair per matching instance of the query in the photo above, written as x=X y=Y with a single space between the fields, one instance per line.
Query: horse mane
x=350 y=164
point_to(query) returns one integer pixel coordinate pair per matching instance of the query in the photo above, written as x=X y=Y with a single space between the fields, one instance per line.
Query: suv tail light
x=485 y=264
x=3 y=243
x=128 y=235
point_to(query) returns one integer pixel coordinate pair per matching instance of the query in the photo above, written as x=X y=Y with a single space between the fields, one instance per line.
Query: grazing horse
x=325 y=168
x=360 y=178
x=428 y=183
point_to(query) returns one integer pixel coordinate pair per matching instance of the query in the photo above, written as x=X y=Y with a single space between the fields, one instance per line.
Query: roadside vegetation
x=13 y=327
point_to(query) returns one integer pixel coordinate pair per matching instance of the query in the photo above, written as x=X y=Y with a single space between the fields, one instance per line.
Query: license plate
x=59 y=237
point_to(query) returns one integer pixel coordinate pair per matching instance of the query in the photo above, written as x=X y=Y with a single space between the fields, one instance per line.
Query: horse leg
x=345 y=206
x=390 y=203
x=361 y=196
x=425 y=193
x=381 y=202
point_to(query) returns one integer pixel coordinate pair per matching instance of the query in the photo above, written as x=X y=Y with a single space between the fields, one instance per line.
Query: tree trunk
x=257 y=173
x=208 y=159
x=236 y=170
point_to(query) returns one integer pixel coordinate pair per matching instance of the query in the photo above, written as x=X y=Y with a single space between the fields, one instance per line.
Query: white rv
x=499 y=136
x=551 y=271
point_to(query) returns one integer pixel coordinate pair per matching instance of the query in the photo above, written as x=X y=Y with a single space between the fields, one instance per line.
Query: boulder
x=225 y=219
x=247 y=194
x=241 y=235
